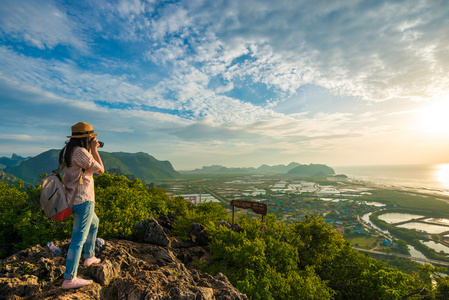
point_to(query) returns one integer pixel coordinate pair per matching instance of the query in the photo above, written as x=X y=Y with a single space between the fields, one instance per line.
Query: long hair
x=70 y=146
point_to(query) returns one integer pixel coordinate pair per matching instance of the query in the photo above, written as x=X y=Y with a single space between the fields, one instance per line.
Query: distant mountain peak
x=312 y=170
x=15 y=160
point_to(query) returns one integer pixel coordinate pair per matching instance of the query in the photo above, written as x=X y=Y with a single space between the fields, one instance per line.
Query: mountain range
x=140 y=165
x=277 y=169
x=293 y=168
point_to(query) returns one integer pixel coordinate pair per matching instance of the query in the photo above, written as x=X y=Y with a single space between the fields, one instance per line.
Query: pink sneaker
x=75 y=283
x=92 y=260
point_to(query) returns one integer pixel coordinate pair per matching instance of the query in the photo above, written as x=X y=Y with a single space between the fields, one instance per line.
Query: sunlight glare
x=434 y=119
x=442 y=174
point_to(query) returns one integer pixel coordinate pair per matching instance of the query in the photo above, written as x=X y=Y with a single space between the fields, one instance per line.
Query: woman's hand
x=94 y=144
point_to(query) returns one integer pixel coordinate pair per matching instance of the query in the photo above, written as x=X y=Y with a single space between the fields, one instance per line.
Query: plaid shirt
x=81 y=159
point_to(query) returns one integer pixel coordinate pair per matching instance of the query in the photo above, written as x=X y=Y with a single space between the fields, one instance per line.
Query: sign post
x=257 y=207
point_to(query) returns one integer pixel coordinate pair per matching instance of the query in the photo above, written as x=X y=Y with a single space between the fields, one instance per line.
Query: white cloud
x=19 y=137
x=193 y=99
x=127 y=8
x=375 y=51
x=218 y=71
x=347 y=47
x=41 y=24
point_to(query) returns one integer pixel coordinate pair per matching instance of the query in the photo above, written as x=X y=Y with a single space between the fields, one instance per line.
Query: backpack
x=53 y=197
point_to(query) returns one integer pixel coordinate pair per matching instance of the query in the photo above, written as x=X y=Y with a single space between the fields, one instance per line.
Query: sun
x=434 y=118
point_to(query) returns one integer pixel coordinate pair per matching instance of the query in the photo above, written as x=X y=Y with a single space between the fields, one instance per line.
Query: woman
x=82 y=161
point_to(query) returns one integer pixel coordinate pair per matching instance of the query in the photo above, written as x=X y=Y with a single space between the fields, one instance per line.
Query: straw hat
x=81 y=129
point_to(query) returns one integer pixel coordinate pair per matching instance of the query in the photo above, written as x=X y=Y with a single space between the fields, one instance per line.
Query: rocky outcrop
x=161 y=267
x=149 y=231
x=128 y=270
x=234 y=227
x=199 y=235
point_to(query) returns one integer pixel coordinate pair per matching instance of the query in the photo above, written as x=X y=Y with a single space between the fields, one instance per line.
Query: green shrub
x=22 y=222
x=208 y=214
x=120 y=204
x=12 y=205
x=261 y=263
x=306 y=260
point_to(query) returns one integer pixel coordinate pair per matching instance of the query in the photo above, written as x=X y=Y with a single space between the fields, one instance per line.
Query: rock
x=128 y=270
x=199 y=235
x=190 y=255
x=22 y=285
x=167 y=221
x=234 y=227
x=150 y=231
x=105 y=272
x=177 y=243
x=225 y=224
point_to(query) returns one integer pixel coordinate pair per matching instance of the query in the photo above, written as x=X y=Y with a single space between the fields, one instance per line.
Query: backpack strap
x=62 y=165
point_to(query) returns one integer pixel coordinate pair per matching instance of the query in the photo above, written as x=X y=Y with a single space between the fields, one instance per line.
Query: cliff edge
x=128 y=270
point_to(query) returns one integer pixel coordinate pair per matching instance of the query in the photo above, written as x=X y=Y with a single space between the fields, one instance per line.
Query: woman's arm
x=94 y=144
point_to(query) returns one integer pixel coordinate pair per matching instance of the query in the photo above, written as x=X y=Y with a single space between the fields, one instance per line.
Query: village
x=291 y=199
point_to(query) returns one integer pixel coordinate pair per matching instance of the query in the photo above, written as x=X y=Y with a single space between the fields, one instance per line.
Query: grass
x=412 y=202
x=362 y=241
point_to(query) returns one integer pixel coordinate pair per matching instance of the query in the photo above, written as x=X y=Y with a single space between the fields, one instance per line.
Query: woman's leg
x=89 y=245
x=83 y=215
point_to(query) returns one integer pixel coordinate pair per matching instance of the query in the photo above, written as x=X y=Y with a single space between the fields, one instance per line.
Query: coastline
x=427 y=199
x=427 y=179
x=442 y=195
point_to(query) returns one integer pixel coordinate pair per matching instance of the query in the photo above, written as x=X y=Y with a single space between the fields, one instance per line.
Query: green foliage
x=270 y=260
x=400 y=201
x=120 y=204
x=22 y=222
x=261 y=263
x=306 y=260
x=208 y=214
x=442 y=286
x=317 y=242
x=402 y=247
x=408 y=266
x=12 y=203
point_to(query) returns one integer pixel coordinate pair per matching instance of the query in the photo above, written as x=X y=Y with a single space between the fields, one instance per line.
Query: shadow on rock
x=128 y=270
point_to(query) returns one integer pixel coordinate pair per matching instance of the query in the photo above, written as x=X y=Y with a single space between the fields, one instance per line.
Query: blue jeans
x=84 y=233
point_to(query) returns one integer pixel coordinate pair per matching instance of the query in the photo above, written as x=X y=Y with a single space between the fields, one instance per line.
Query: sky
x=233 y=83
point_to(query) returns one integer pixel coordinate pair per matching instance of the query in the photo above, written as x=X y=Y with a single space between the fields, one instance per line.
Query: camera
x=101 y=144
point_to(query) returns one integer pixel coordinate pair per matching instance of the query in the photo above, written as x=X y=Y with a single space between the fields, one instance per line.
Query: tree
x=261 y=262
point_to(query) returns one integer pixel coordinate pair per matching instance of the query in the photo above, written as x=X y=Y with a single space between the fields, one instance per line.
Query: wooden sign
x=257 y=207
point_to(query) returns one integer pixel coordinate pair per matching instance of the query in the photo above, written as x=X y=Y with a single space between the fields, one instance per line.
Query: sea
x=432 y=178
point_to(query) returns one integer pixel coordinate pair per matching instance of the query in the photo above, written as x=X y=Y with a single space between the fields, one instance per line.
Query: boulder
x=150 y=231
x=167 y=221
x=234 y=227
x=199 y=235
